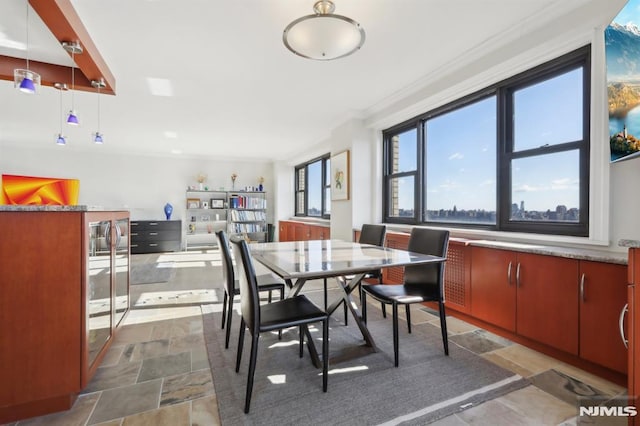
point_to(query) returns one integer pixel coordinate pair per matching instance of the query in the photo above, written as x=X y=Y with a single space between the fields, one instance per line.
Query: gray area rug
x=148 y=273
x=362 y=391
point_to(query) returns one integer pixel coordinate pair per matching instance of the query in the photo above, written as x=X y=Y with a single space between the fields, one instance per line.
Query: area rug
x=148 y=273
x=365 y=390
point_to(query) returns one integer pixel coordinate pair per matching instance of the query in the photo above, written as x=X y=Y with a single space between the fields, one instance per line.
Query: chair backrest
x=249 y=296
x=372 y=234
x=227 y=262
x=427 y=241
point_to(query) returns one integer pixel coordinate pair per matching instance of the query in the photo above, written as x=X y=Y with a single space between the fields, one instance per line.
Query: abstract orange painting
x=32 y=190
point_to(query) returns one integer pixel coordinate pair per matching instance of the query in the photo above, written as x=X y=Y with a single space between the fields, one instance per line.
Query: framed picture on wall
x=193 y=203
x=340 y=179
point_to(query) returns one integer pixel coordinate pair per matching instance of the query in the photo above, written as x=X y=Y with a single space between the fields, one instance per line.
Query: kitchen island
x=64 y=290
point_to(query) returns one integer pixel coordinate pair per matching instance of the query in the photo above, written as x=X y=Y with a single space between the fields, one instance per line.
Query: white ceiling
x=236 y=90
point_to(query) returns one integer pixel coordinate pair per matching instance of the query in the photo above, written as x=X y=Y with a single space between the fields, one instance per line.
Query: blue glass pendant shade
x=27 y=86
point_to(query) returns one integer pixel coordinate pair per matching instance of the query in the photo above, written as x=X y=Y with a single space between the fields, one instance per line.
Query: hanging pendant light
x=60 y=138
x=26 y=80
x=324 y=35
x=73 y=48
x=97 y=136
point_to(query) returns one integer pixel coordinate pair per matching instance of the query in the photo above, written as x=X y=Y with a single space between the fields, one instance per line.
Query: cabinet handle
x=582 y=288
x=153 y=233
x=624 y=311
x=153 y=245
x=133 y=234
x=518 y=275
x=509 y=273
x=153 y=223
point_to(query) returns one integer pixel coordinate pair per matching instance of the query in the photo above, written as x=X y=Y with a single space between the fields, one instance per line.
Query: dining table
x=298 y=262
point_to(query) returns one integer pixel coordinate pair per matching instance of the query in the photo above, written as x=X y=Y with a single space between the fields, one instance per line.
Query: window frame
x=503 y=91
x=323 y=179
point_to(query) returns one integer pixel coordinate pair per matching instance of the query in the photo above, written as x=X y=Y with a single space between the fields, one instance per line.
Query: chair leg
x=384 y=310
x=443 y=327
x=363 y=303
x=252 y=370
x=229 y=316
x=269 y=299
x=346 y=321
x=325 y=294
x=240 y=344
x=301 y=346
x=281 y=298
x=396 y=340
x=325 y=354
x=224 y=309
x=408 y=309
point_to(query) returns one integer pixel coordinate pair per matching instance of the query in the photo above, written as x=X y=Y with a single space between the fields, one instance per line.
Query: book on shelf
x=238 y=201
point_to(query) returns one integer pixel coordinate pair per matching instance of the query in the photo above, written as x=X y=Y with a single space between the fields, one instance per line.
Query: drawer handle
x=134 y=245
x=133 y=234
x=153 y=233
x=624 y=311
x=153 y=223
x=153 y=245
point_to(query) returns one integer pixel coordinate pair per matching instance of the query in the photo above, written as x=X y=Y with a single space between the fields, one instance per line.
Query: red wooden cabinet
x=298 y=231
x=547 y=305
x=602 y=297
x=58 y=314
x=493 y=286
x=633 y=332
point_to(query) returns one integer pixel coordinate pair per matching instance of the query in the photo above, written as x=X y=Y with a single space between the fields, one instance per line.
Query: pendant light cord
x=73 y=79
x=27 y=31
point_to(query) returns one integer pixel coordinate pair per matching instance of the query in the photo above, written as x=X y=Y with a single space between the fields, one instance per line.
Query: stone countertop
x=629 y=243
x=42 y=208
x=568 y=252
x=594 y=255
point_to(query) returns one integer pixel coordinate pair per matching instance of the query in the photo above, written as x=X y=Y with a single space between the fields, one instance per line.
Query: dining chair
x=374 y=235
x=422 y=283
x=266 y=282
x=297 y=311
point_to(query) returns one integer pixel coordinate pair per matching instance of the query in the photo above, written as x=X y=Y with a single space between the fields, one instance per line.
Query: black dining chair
x=266 y=282
x=422 y=283
x=374 y=235
x=297 y=311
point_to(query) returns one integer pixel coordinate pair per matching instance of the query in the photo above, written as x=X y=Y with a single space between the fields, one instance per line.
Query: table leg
x=347 y=288
x=294 y=289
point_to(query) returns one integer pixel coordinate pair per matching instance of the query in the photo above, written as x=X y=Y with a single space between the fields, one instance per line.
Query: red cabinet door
x=283 y=231
x=603 y=294
x=493 y=286
x=547 y=300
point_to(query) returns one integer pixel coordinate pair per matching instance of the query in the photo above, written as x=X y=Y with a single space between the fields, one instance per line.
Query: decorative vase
x=260 y=188
x=168 y=209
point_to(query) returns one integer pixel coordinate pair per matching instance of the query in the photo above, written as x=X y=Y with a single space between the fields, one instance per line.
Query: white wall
x=141 y=184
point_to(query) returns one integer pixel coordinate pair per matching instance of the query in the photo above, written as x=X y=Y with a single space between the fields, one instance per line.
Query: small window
x=312 y=188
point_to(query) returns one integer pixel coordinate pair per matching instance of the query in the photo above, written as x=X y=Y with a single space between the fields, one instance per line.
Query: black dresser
x=153 y=236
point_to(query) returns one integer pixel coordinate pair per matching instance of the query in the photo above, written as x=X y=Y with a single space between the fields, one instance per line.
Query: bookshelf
x=237 y=212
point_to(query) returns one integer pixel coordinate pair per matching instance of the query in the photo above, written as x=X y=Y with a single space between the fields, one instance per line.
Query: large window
x=312 y=184
x=512 y=157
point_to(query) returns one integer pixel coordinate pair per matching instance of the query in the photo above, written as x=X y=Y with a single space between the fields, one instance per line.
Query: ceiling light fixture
x=98 y=84
x=323 y=36
x=73 y=48
x=60 y=138
x=26 y=80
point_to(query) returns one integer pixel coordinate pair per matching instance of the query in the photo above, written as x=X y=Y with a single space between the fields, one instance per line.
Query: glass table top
x=326 y=258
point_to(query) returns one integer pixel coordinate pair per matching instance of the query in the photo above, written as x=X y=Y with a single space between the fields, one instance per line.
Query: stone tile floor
x=157 y=372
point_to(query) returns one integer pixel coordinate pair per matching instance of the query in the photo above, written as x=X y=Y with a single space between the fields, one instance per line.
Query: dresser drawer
x=140 y=247
x=149 y=236
x=156 y=225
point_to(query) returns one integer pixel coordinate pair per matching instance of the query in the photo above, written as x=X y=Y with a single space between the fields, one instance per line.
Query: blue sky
x=461 y=165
